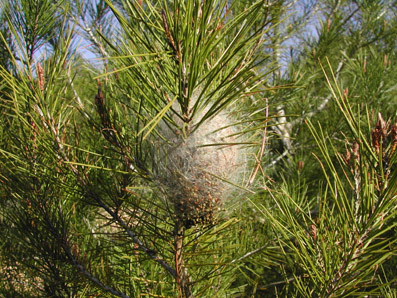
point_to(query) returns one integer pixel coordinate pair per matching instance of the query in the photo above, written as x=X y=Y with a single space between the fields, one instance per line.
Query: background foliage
x=210 y=149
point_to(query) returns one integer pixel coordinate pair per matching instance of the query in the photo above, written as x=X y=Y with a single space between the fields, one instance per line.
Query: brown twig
x=182 y=277
x=151 y=253
x=263 y=146
x=88 y=274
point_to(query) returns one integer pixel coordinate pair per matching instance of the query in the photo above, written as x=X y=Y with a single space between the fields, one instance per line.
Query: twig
x=283 y=128
x=76 y=95
x=323 y=104
x=152 y=254
x=182 y=276
x=273 y=162
x=87 y=29
x=248 y=254
x=89 y=275
x=297 y=120
x=263 y=146
x=262 y=288
x=114 y=215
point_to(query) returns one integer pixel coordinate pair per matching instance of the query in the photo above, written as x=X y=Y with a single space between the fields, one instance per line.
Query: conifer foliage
x=198 y=154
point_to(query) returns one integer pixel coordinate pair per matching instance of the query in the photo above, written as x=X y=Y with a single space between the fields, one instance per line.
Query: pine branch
x=152 y=254
x=182 y=276
x=76 y=95
x=248 y=254
x=283 y=127
x=323 y=104
x=276 y=160
x=89 y=275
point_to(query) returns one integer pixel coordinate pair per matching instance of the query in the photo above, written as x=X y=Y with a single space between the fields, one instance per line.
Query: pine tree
x=198 y=155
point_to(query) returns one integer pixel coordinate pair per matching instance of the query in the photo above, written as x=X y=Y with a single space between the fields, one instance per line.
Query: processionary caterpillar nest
x=197 y=167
